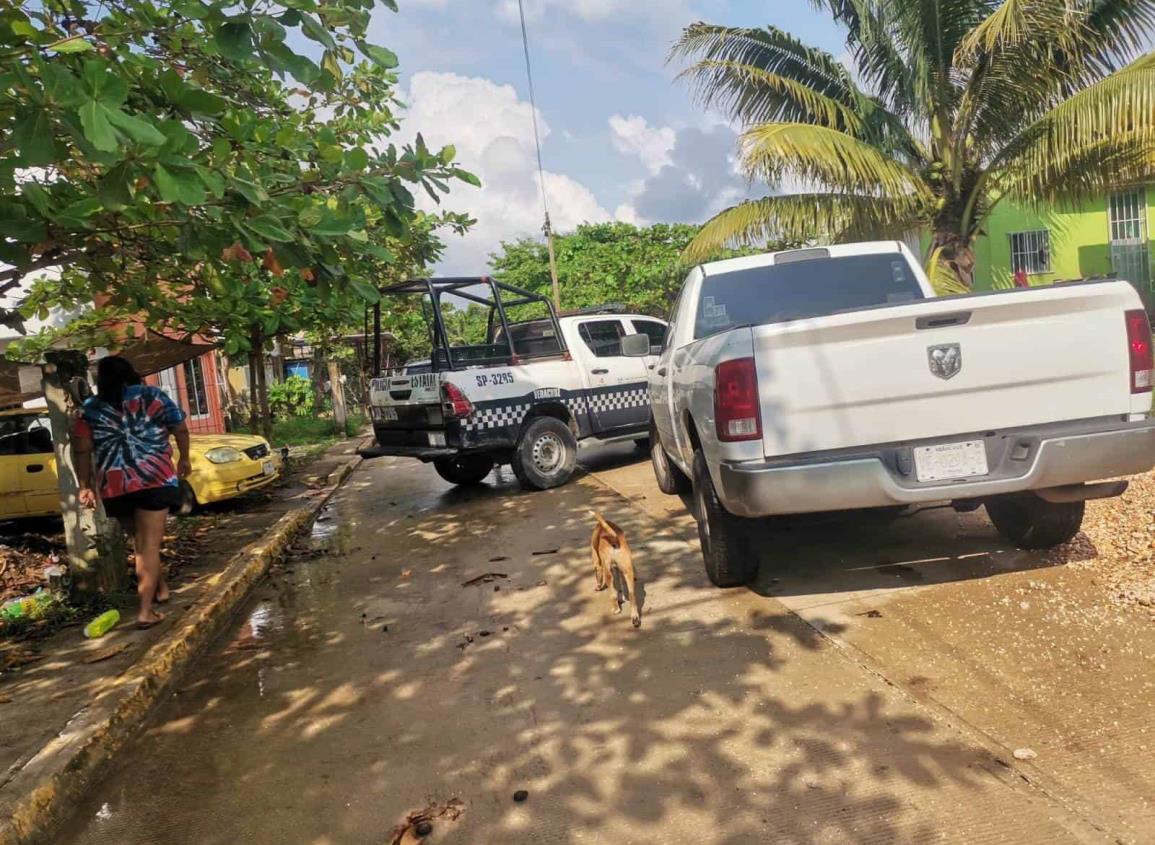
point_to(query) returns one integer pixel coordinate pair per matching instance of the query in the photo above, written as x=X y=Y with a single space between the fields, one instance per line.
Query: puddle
x=331 y=534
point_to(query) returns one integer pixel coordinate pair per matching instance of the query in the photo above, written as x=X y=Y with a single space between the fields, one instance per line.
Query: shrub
x=293 y=397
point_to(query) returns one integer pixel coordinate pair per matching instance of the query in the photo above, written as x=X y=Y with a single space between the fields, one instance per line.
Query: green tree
x=143 y=146
x=639 y=267
x=953 y=107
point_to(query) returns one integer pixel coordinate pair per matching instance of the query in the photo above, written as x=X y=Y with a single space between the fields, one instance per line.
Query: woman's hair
x=113 y=375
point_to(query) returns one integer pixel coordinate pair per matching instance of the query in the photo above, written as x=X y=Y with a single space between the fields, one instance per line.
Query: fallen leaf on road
x=5 y=699
x=498 y=559
x=484 y=578
x=420 y=824
x=1025 y=754
x=405 y=573
x=546 y=552
x=106 y=654
x=871 y=614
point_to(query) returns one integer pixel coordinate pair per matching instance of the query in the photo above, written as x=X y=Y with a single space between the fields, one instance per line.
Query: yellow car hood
x=201 y=443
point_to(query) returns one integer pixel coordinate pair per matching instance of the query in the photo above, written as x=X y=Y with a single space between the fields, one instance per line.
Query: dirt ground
x=438 y=650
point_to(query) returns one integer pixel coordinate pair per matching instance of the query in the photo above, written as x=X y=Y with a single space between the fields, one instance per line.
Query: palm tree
x=953 y=106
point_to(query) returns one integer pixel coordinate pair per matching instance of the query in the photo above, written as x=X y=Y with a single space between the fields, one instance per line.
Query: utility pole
x=552 y=263
x=96 y=555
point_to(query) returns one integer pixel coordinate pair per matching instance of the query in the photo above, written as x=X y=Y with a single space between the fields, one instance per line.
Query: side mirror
x=636 y=345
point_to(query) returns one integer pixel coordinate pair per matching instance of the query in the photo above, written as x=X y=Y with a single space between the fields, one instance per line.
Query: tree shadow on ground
x=379 y=676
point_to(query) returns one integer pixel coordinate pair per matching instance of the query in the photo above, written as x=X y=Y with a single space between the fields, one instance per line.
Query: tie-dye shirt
x=130 y=444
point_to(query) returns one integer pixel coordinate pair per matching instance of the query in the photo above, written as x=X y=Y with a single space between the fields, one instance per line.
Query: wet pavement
x=435 y=650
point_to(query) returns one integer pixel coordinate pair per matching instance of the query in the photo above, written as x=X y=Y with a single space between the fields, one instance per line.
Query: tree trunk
x=958 y=256
x=318 y=380
x=263 y=396
x=96 y=556
x=254 y=394
x=340 y=417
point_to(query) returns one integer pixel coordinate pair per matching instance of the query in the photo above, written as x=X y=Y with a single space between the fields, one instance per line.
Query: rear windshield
x=533 y=338
x=802 y=289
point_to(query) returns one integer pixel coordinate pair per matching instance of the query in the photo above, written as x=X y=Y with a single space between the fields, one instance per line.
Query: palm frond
x=805 y=218
x=1078 y=175
x=831 y=158
x=1122 y=104
x=942 y=278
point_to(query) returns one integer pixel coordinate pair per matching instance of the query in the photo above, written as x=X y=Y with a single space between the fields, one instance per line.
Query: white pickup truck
x=525 y=396
x=833 y=378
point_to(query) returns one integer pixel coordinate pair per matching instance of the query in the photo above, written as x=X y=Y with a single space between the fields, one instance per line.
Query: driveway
x=435 y=650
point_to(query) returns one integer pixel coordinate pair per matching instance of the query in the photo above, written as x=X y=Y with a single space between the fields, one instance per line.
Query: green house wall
x=1079 y=236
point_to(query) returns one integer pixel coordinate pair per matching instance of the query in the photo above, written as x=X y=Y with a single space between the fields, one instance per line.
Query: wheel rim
x=703 y=519
x=548 y=453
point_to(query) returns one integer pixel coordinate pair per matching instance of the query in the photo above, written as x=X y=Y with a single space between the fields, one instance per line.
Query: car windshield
x=797 y=290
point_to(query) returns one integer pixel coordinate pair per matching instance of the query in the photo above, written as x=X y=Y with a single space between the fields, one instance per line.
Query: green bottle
x=102 y=624
x=27 y=606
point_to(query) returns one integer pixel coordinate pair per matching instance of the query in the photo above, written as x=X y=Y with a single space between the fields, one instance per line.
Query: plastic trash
x=102 y=624
x=25 y=606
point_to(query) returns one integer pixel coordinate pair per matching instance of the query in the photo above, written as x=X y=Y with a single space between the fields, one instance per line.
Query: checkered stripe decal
x=510 y=415
x=622 y=400
x=498 y=416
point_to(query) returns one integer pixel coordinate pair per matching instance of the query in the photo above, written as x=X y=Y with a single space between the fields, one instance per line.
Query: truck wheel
x=188 y=499
x=730 y=560
x=545 y=455
x=671 y=480
x=1034 y=523
x=464 y=469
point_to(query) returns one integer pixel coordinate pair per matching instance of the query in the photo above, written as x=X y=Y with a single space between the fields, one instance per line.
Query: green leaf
x=83 y=209
x=37 y=196
x=179 y=185
x=356 y=159
x=333 y=225
x=97 y=128
x=332 y=154
x=32 y=135
x=234 y=40
x=74 y=45
x=192 y=9
x=466 y=177
x=310 y=217
x=331 y=65
x=199 y=101
x=380 y=56
x=390 y=4
x=139 y=130
x=448 y=153
x=268 y=227
x=213 y=181
x=365 y=290
x=317 y=31
x=254 y=193
x=15 y=224
x=115 y=187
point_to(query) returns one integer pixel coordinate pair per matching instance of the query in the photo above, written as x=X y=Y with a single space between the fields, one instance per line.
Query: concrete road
x=440 y=649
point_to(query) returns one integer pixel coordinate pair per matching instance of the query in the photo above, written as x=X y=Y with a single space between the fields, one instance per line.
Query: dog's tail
x=612 y=530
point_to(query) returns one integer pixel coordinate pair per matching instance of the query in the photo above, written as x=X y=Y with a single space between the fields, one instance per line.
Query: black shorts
x=151 y=499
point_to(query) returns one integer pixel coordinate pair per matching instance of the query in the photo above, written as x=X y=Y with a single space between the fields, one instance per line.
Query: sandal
x=144 y=626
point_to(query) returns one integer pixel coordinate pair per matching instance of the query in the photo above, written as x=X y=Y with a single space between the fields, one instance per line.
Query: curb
x=50 y=784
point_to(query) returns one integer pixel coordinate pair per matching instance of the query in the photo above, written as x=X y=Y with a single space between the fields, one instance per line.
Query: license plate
x=436 y=438
x=267 y=468
x=951 y=461
x=388 y=414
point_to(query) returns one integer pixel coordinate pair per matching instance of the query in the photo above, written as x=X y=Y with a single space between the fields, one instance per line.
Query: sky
x=621 y=138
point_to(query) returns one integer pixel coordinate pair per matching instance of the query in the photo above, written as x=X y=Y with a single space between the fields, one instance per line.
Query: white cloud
x=634 y=136
x=596 y=10
x=493 y=132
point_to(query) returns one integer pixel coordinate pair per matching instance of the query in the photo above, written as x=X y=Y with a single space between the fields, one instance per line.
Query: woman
x=123 y=432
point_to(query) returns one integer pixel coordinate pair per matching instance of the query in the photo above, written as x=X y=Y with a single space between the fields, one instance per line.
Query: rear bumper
x=424 y=453
x=221 y=487
x=1030 y=459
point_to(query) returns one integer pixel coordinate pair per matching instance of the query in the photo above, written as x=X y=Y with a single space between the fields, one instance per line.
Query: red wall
x=214 y=422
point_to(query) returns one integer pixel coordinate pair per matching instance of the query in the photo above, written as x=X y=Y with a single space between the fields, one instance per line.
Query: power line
x=548 y=229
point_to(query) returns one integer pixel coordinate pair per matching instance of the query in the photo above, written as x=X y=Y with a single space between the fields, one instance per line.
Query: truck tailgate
x=406 y=401
x=945 y=366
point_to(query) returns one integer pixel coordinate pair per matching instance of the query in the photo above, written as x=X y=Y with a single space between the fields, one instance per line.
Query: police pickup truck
x=537 y=385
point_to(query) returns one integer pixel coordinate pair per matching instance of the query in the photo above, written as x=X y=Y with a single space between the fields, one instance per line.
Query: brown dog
x=611 y=554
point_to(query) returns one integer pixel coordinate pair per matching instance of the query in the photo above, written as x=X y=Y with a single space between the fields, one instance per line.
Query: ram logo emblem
x=945 y=360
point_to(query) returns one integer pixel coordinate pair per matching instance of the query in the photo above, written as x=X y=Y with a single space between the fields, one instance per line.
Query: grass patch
x=313 y=431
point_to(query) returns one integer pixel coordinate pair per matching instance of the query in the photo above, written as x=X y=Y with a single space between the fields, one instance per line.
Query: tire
x=464 y=469
x=671 y=480
x=188 y=500
x=726 y=550
x=1034 y=523
x=545 y=455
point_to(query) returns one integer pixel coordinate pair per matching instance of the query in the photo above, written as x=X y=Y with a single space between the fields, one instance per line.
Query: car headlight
x=223 y=455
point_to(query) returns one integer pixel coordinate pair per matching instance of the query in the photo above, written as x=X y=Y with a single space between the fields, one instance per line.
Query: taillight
x=1139 y=350
x=736 y=412
x=454 y=401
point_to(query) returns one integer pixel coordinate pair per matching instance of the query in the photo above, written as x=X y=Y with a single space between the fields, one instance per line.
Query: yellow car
x=223 y=466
